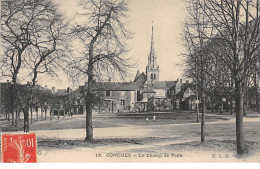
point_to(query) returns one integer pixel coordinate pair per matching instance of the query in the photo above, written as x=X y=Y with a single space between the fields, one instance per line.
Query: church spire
x=152 y=59
x=152 y=70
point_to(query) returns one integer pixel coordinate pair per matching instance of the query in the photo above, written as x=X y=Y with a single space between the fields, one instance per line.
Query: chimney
x=181 y=81
x=53 y=89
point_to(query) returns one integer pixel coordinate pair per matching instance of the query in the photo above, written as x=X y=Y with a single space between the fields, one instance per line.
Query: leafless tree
x=49 y=48
x=15 y=39
x=103 y=36
x=195 y=39
x=33 y=35
x=236 y=25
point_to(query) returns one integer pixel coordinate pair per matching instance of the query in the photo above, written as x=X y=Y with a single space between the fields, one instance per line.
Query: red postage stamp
x=19 y=148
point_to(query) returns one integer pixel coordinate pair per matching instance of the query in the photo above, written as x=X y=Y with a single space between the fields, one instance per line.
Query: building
x=185 y=99
x=152 y=69
x=67 y=101
x=115 y=97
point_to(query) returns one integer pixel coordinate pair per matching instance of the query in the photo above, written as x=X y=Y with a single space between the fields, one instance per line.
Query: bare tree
x=236 y=24
x=49 y=46
x=15 y=39
x=195 y=40
x=103 y=38
x=33 y=35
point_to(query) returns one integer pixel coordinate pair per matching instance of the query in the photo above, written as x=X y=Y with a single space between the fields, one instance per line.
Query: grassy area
x=180 y=117
x=77 y=122
x=56 y=124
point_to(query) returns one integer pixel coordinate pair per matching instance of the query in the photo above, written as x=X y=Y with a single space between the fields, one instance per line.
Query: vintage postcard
x=134 y=81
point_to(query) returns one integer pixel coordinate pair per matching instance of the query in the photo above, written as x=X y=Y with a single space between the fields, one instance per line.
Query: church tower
x=152 y=69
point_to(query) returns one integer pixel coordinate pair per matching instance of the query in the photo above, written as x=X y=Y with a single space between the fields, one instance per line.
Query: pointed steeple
x=152 y=69
x=152 y=58
x=137 y=75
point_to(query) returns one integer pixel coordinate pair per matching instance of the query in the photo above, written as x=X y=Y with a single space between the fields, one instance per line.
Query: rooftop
x=115 y=86
x=163 y=84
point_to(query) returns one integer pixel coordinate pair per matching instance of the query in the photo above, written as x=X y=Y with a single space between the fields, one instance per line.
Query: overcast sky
x=167 y=16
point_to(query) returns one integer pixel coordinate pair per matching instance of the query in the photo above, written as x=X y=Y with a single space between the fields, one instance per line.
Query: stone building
x=115 y=97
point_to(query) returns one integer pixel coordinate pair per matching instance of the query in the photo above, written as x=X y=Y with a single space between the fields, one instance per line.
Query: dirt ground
x=132 y=139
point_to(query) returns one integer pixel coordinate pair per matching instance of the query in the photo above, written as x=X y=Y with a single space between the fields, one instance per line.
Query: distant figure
x=147 y=119
x=154 y=118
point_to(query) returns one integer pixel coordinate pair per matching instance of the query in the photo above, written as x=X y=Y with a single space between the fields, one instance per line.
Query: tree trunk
x=41 y=114
x=231 y=105
x=245 y=97
x=19 y=117
x=8 y=116
x=45 y=115
x=58 y=113
x=12 y=117
x=256 y=83
x=244 y=108
x=258 y=103
x=239 y=117
x=31 y=115
x=12 y=87
x=203 y=103
x=198 y=112
x=52 y=112
x=89 y=128
x=37 y=114
x=16 y=118
x=26 y=120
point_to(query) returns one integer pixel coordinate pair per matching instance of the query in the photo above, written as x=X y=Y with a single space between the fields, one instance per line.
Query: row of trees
x=43 y=100
x=223 y=51
x=37 y=39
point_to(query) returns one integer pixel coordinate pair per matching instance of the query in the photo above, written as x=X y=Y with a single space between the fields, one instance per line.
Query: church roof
x=140 y=80
x=163 y=84
x=115 y=86
x=137 y=75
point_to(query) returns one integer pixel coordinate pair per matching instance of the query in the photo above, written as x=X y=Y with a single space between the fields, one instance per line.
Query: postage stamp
x=19 y=148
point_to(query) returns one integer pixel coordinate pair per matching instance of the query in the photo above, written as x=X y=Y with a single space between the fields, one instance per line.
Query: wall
x=112 y=103
x=160 y=93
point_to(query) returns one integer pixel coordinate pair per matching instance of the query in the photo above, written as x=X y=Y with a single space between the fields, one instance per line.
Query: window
x=122 y=102
x=151 y=76
x=108 y=93
x=154 y=76
x=78 y=101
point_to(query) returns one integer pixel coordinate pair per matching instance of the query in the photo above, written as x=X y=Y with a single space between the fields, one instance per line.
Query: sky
x=167 y=17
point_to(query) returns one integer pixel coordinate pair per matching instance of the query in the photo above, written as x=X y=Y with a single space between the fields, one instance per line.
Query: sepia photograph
x=130 y=81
